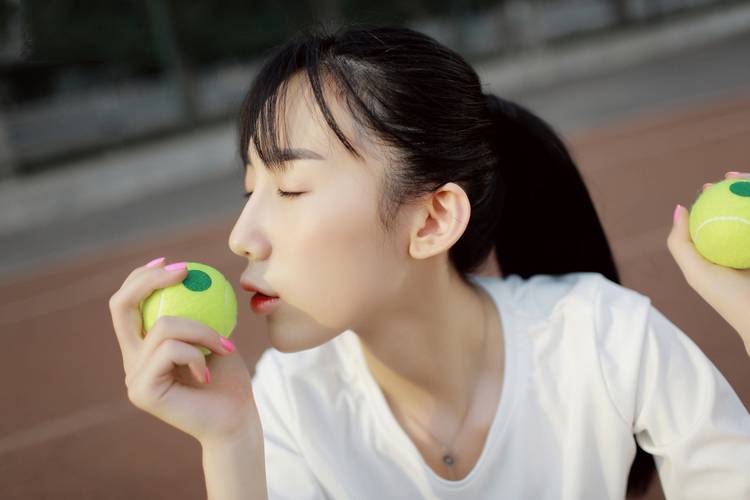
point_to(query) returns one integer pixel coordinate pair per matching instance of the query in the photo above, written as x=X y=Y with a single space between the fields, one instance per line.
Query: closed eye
x=288 y=194
x=247 y=195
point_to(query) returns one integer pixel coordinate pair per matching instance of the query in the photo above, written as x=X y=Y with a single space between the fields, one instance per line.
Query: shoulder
x=579 y=331
x=544 y=296
x=581 y=316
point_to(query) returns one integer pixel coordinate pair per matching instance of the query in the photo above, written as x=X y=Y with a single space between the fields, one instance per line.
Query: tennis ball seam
x=161 y=304
x=226 y=304
x=714 y=219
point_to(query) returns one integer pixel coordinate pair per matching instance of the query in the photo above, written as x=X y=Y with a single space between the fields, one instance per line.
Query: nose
x=248 y=238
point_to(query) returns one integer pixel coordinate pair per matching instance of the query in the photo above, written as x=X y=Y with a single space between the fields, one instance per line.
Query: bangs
x=264 y=108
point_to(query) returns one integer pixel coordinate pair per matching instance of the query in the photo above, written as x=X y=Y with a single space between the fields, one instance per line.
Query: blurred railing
x=102 y=117
x=518 y=24
x=110 y=115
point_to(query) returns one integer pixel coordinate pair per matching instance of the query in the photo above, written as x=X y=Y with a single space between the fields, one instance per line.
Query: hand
x=209 y=397
x=726 y=290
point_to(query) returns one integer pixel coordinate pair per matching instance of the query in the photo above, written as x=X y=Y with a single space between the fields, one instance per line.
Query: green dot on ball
x=197 y=281
x=741 y=189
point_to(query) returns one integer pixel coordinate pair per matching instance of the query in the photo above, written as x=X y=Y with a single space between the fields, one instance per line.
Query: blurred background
x=118 y=146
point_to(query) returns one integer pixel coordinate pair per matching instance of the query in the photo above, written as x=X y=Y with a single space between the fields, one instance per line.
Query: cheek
x=336 y=259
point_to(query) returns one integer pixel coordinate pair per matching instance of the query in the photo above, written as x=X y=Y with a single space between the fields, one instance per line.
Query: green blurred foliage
x=391 y=11
x=206 y=30
x=86 y=35
x=7 y=10
x=88 y=30
x=211 y=30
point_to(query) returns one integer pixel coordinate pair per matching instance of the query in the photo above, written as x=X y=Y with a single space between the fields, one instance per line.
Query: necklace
x=449 y=459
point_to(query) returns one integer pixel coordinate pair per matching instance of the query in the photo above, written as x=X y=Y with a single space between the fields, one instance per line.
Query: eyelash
x=283 y=194
x=287 y=194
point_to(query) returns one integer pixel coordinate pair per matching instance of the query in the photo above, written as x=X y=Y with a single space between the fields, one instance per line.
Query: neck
x=425 y=348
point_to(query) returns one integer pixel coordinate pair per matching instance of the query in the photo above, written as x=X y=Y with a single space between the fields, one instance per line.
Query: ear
x=440 y=221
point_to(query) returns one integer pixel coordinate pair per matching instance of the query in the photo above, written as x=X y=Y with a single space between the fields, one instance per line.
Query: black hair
x=426 y=105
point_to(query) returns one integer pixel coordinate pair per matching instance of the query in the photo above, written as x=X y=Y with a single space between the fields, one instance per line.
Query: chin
x=294 y=336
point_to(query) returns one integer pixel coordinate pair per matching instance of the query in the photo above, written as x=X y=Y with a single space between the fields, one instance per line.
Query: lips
x=263 y=304
x=263 y=301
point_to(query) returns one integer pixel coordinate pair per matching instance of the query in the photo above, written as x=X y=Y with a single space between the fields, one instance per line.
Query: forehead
x=299 y=122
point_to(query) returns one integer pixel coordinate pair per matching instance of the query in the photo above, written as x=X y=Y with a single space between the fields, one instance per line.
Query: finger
x=174 y=353
x=125 y=305
x=185 y=330
x=737 y=175
x=683 y=249
x=154 y=263
x=155 y=374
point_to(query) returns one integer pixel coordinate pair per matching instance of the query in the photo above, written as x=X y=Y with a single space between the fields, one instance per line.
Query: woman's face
x=312 y=234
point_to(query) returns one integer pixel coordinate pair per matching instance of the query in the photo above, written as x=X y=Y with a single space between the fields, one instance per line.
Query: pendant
x=449 y=460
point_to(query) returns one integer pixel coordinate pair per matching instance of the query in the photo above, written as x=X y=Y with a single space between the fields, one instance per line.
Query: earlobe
x=440 y=221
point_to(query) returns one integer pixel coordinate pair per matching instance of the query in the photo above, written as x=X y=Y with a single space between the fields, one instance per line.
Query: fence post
x=8 y=163
x=172 y=60
x=621 y=11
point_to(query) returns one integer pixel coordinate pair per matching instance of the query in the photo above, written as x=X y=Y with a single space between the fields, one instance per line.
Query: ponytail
x=548 y=223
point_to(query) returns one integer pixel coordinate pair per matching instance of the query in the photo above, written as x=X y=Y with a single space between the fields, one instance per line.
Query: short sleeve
x=287 y=473
x=688 y=417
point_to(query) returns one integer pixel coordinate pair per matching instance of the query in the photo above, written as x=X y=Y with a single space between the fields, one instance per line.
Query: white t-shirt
x=588 y=364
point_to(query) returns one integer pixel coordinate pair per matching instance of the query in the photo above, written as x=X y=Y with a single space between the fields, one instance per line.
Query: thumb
x=681 y=246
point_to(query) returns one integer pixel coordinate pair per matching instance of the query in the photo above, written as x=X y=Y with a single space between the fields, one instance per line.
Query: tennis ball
x=204 y=295
x=720 y=223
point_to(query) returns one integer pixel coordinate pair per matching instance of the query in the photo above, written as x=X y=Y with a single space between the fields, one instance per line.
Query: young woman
x=379 y=177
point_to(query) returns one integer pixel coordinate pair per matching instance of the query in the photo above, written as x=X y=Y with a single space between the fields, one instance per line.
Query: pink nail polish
x=155 y=262
x=707 y=185
x=208 y=376
x=227 y=344
x=732 y=173
x=676 y=213
x=175 y=267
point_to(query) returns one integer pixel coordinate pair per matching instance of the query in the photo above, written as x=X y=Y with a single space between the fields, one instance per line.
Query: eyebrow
x=290 y=154
x=298 y=154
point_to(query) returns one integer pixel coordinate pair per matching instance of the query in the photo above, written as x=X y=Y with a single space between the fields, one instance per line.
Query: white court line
x=67 y=425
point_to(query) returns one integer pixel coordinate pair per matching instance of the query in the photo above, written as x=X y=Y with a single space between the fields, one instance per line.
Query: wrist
x=248 y=437
x=234 y=466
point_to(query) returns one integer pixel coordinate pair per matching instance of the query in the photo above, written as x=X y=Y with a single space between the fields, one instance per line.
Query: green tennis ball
x=720 y=223
x=204 y=295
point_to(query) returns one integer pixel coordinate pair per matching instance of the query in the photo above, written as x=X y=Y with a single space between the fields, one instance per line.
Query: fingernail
x=732 y=173
x=707 y=185
x=155 y=262
x=208 y=376
x=676 y=213
x=175 y=267
x=227 y=344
